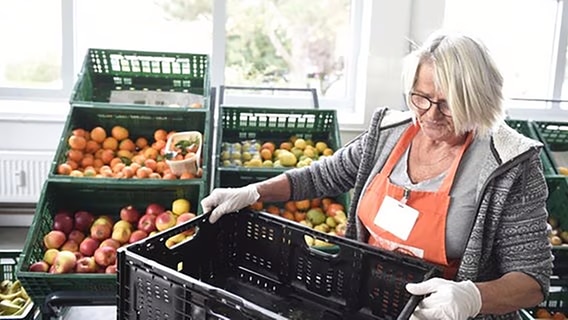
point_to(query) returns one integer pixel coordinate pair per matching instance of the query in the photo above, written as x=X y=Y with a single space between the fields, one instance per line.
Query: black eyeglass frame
x=437 y=103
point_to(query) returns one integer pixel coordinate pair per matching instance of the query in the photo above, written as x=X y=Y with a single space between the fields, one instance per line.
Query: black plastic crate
x=253 y=265
x=236 y=124
x=105 y=71
x=140 y=122
x=8 y=265
x=99 y=199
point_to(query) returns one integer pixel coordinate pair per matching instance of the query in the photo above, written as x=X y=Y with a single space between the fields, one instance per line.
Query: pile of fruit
x=82 y=242
x=325 y=215
x=542 y=313
x=115 y=154
x=557 y=236
x=296 y=152
x=13 y=299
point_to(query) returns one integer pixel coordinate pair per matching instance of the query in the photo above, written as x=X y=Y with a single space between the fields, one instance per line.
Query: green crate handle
x=312 y=91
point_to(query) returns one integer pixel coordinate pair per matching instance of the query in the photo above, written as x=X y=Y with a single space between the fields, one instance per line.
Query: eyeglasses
x=424 y=104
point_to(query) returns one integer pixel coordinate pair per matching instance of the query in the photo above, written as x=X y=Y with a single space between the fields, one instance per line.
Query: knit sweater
x=510 y=230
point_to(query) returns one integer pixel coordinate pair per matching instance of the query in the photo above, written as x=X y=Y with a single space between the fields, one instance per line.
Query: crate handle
x=318 y=250
x=414 y=300
x=312 y=91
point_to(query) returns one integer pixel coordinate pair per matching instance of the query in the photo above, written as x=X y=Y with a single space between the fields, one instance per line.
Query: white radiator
x=22 y=174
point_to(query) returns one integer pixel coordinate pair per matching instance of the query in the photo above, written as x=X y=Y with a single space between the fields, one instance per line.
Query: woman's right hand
x=226 y=200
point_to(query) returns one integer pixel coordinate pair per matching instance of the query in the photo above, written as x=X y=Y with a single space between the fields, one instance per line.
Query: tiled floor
x=14 y=238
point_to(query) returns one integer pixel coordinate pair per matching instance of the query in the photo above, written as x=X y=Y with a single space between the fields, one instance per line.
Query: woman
x=447 y=181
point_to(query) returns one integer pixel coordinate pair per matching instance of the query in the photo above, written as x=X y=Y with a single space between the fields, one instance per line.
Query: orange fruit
x=159 y=145
x=151 y=163
x=141 y=143
x=107 y=155
x=257 y=206
x=64 y=169
x=325 y=202
x=74 y=165
x=114 y=161
x=75 y=155
x=299 y=216
x=315 y=203
x=110 y=143
x=87 y=161
x=266 y=154
x=127 y=144
x=286 y=146
x=92 y=147
x=77 y=142
x=143 y=172
x=303 y=205
x=98 y=134
x=128 y=172
x=187 y=175
x=80 y=132
x=288 y=215
x=119 y=133
x=150 y=153
x=155 y=175
x=272 y=209
x=290 y=206
x=268 y=145
x=160 y=135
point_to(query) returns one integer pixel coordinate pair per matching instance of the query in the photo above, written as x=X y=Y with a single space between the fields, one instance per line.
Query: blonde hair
x=466 y=73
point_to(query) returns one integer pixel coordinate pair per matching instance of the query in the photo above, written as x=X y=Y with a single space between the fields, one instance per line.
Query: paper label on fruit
x=396 y=217
x=160 y=98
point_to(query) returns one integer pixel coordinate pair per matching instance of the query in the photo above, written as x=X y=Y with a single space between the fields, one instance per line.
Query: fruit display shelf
x=255 y=126
x=131 y=78
x=99 y=200
x=254 y=265
x=135 y=123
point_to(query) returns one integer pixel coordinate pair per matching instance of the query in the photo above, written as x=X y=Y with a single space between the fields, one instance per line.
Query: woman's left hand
x=446 y=299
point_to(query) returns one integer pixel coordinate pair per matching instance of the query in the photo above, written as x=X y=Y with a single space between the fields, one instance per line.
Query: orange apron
x=427 y=238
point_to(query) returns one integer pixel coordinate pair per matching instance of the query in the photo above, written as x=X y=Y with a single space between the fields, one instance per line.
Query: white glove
x=226 y=200
x=446 y=299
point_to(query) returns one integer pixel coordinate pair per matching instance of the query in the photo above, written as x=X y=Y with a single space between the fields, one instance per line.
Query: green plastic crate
x=140 y=122
x=528 y=129
x=237 y=124
x=8 y=266
x=557 y=206
x=107 y=70
x=555 y=134
x=98 y=199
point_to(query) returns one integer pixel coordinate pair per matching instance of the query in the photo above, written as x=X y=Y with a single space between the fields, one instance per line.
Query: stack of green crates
x=554 y=137
x=106 y=73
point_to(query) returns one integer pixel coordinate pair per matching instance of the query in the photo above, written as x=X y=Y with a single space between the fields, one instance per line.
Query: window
x=292 y=43
x=31 y=55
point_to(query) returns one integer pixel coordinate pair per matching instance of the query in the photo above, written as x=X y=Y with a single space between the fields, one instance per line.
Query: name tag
x=396 y=217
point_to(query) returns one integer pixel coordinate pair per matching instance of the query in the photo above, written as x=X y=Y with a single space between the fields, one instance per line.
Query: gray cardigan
x=510 y=229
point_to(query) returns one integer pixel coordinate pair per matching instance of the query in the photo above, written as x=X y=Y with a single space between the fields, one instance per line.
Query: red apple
x=49 y=255
x=64 y=262
x=154 y=209
x=88 y=246
x=70 y=245
x=137 y=235
x=76 y=236
x=165 y=220
x=54 y=239
x=183 y=218
x=63 y=221
x=40 y=266
x=111 y=268
x=86 y=265
x=101 y=231
x=147 y=223
x=130 y=214
x=83 y=220
x=105 y=256
x=111 y=243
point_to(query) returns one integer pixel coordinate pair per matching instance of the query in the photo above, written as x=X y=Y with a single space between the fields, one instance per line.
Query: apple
x=165 y=220
x=104 y=219
x=137 y=235
x=54 y=239
x=40 y=266
x=49 y=255
x=86 y=265
x=122 y=224
x=183 y=218
x=121 y=234
x=83 y=220
x=101 y=231
x=154 y=209
x=64 y=262
x=147 y=223
x=130 y=214
x=88 y=246
x=111 y=243
x=70 y=245
x=105 y=256
x=111 y=268
x=63 y=221
x=76 y=236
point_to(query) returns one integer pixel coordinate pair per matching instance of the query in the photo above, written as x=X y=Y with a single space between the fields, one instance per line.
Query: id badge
x=396 y=217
